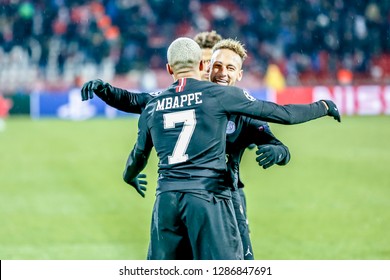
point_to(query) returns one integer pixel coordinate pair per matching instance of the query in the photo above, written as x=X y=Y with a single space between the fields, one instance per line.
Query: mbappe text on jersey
x=179 y=101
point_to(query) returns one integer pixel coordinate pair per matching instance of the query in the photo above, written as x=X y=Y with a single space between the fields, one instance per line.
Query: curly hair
x=207 y=40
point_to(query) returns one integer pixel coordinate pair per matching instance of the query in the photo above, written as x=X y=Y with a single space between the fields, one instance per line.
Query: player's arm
x=136 y=162
x=269 y=148
x=237 y=101
x=138 y=158
x=118 y=98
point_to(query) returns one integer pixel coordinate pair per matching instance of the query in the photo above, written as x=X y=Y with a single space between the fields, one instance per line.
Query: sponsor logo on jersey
x=250 y=97
x=231 y=127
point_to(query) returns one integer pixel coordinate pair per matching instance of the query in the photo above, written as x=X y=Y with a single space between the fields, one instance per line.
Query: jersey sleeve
x=261 y=134
x=123 y=100
x=238 y=101
x=139 y=156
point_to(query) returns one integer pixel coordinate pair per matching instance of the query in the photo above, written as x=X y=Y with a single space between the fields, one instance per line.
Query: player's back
x=188 y=128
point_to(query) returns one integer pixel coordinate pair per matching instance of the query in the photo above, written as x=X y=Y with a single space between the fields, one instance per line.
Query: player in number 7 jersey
x=187 y=126
x=240 y=133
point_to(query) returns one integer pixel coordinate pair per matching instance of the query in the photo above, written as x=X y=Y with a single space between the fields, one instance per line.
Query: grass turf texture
x=62 y=195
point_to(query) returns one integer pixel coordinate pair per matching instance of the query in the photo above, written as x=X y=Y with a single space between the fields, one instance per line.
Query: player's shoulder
x=149 y=96
x=154 y=93
x=202 y=85
x=149 y=108
x=236 y=90
x=248 y=95
x=147 y=114
x=216 y=89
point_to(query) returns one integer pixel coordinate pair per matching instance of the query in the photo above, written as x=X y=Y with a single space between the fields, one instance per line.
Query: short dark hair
x=207 y=40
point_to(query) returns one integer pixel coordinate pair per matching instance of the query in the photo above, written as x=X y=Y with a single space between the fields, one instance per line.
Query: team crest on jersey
x=231 y=127
x=250 y=97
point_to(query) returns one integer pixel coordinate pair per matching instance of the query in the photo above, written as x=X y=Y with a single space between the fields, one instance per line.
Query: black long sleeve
x=124 y=100
x=136 y=162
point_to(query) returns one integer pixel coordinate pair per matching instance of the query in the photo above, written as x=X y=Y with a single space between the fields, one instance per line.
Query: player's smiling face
x=225 y=67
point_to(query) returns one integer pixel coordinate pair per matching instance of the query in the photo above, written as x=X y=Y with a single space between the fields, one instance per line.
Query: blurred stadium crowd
x=50 y=42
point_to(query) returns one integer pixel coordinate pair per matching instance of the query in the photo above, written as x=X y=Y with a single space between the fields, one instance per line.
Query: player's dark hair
x=207 y=40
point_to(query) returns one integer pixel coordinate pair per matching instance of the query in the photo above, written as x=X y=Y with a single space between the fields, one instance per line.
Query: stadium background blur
x=61 y=191
x=50 y=43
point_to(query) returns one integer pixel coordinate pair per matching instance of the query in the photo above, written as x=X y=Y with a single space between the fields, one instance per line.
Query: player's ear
x=239 y=76
x=169 y=69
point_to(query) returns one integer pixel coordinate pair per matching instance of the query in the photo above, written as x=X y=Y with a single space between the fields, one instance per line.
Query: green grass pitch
x=62 y=196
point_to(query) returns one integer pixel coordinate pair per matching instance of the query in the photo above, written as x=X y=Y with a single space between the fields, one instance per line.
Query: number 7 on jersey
x=187 y=117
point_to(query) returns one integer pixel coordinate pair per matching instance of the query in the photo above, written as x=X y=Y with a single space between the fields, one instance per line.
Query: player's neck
x=187 y=74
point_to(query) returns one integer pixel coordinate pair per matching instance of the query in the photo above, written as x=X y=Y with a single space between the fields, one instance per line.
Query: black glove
x=94 y=86
x=139 y=185
x=332 y=110
x=269 y=155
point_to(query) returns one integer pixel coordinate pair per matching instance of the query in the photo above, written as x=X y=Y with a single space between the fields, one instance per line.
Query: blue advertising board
x=68 y=105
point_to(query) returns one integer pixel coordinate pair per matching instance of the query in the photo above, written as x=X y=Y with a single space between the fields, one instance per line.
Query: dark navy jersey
x=124 y=100
x=187 y=125
x=242 y=131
